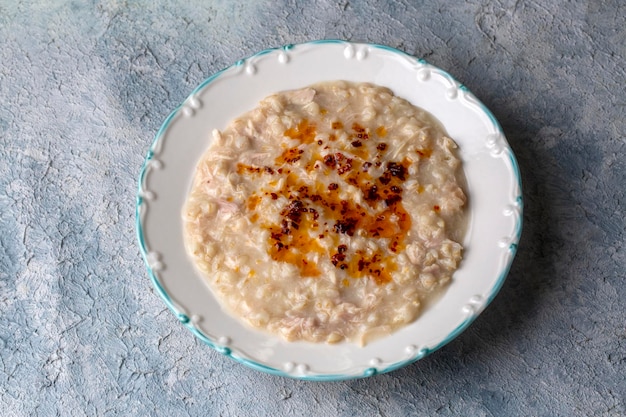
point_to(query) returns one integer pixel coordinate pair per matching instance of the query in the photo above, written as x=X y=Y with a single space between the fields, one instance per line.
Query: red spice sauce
x=299 y=233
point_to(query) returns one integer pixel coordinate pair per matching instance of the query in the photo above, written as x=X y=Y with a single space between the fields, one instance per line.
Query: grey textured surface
x=84 y=88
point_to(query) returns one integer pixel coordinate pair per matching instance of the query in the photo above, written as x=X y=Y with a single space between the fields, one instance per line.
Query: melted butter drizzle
x=296 y=239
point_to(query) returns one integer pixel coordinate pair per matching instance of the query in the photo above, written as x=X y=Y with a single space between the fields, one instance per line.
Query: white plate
x=494 y=190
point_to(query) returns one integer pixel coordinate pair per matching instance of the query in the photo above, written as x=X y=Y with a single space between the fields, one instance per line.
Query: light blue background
x=86 y=85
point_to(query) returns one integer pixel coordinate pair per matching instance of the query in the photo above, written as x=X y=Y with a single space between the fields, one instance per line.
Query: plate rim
x=151 y=267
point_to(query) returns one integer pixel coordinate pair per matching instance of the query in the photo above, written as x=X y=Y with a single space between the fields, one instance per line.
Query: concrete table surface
x=85 y=85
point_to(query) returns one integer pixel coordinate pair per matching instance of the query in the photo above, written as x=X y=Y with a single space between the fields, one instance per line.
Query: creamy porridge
x=328 y=213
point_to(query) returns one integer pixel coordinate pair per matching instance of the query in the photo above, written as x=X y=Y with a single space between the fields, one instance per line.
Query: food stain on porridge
x=328 y=213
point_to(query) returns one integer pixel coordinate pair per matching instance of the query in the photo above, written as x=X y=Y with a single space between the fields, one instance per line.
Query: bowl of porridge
x=329 y=210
